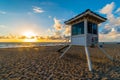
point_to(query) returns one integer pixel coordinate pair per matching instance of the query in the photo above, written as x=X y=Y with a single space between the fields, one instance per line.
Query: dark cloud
x=117 y=29
x=105 y=31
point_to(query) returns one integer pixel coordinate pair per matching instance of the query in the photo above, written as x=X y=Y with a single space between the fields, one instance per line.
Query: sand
x=43 y=63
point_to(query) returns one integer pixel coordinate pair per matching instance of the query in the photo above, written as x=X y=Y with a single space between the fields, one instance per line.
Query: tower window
x=92 y=28
x=78 y=28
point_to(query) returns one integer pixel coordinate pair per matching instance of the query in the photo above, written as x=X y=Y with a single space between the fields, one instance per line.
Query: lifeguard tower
x=84 y=32
x=84 y=28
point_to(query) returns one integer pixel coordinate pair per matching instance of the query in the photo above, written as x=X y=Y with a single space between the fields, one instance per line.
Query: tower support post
x=86 y=48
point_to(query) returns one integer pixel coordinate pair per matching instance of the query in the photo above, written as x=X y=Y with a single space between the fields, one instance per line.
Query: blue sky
x=41 y=16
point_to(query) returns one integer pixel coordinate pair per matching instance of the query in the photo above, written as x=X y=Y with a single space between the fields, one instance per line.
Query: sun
x=29 y=34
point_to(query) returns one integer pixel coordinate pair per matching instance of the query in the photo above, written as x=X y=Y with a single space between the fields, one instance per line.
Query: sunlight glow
x=29 y=40
x=29 y=34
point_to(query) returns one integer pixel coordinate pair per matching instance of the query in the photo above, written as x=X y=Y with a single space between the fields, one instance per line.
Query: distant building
x=84 y=28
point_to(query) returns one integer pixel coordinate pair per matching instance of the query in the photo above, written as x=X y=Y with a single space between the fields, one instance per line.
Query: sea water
x=27 y=44
x=36 y=44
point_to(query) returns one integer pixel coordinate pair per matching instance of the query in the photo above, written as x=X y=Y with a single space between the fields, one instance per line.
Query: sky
x=46 y=17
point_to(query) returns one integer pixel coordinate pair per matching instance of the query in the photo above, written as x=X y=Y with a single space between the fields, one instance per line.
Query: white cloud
x=2 y=12
x=111 y=30
x=107 y=9
x=57 y=25
x=107 y=28
x=110 y=37
x=59 y=30
x=118 y=10
x=37 y=9
x=50 y=31
x=49 y=16
x=2 y=26
x=67 y=30
x=57 y=34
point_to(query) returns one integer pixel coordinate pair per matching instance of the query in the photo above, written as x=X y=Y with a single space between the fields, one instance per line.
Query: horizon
x=46 y=19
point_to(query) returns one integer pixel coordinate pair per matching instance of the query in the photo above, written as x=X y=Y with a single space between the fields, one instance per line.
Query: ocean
x=27 y=44
x=36 y=44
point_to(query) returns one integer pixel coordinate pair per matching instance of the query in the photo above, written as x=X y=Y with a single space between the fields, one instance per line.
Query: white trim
x=77 y=17
x=97 y=16
x=88 y=12
x=80 y=35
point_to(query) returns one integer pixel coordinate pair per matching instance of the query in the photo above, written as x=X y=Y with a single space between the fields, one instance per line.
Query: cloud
x=58 y=30
x=51 y=31
x=2 y=12
x=57 y=25
x=118 y=10
x=2 y=26
x=53 y=34
x=49 y=16
x=4 y=29
x=37 y=9
x=67 y=30
x=112 y=36
x=112 y=20
x=57 y=34
x=106 y=29
x=107 y=9
x=111 y=30
x=117 y=29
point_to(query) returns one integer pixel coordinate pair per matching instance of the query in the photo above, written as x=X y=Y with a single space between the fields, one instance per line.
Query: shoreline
x=46 y=45
x=30 y=45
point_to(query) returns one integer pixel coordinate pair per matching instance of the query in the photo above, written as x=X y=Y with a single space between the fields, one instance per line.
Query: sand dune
x=43 y=63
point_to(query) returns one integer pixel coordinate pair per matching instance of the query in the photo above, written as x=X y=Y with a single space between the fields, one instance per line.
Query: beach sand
x=43 y=63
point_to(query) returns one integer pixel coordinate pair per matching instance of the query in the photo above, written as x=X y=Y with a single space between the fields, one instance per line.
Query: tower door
x=92 y=28
x=92 y=31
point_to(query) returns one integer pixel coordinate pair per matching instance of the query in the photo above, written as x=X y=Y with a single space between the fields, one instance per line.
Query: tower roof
x=88 y=14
